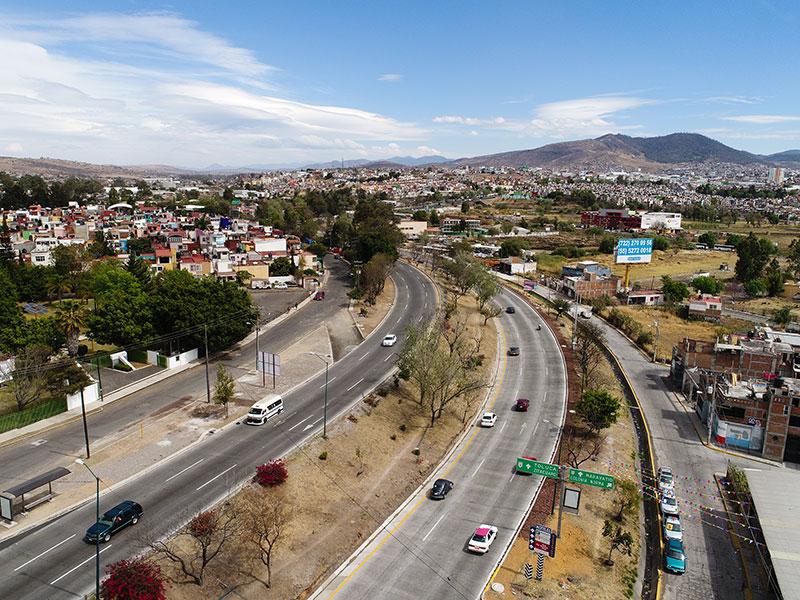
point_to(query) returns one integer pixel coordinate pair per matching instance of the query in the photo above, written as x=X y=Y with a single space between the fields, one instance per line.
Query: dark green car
x=122 y=515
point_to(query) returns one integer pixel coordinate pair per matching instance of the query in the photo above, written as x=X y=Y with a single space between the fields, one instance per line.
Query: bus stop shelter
x=13 y=501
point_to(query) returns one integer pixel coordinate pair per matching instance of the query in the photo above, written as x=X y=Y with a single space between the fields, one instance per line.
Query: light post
x=655 y=344
x=80 y=461
x=325 y=405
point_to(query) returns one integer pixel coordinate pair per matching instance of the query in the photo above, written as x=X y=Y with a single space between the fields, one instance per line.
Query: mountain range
x=607 y=152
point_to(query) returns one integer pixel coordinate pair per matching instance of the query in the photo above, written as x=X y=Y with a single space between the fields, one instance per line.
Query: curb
x=320 y=590
x=382 y=321
x=748 y=590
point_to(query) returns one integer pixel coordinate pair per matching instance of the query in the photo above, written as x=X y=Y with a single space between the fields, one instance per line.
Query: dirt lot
x=369 y=467
x=578 y=572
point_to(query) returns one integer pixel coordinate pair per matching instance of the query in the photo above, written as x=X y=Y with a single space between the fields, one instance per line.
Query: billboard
x=634 y=250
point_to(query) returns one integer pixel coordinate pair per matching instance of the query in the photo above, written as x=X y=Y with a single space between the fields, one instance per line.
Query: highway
x=21 y=460
x=53 y=562
x=422 y=552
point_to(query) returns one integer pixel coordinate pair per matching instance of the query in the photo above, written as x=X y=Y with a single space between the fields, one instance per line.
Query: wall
x=91 y=394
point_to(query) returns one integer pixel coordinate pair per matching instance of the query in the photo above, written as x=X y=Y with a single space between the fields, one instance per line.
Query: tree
x=266 y=521
x=420 y=215
x=100 y=246
x=486 y=288
x=68 y=261
x=782 y=316
x=619 y=540
x=224 y=388
x=581 y=446
x=490 y=311
x=598 y=408
x=774 y=278
x=243 y=277
x=753 y=255
x=560 y=306
x=589 y=340
x=272 y=473
x=373 y=276
x=512 y=247
x=57 y=285
x=708 y=238
x=707 y=285
x=607 y=245
x=465 y=207
x=755 y=287
x=197 y=544
x=660 y=243
x=627 y=497
x=71 y=317
x=793 y=256
x=10 y=314
x=122 y=314
x=463 y=271
x=28 y=380
x=674 y=291
x=434 y=219
x=136 y=579
x=140 y=269
x=375 y=230
x=281 y=267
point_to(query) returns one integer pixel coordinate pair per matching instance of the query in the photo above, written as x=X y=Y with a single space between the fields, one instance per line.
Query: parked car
x=279 y=285
x=389 y=340
x=510 y=310
x=665 y=479
x=488 y=419
x=672 y=528
x=669 y=505
x=522 y=404
x=513 y=351
x=675 y=557
x=123 y=514
x=482 y=538
x=320 y=295
x=440 y=489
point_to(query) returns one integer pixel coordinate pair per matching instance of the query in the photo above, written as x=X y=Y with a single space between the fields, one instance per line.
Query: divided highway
x=53 y=562
x=422 y=552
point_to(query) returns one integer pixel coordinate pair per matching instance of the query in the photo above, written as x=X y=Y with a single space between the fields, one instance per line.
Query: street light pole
x=97 y=520
x=655 y=345
x=208 y=383
x=325 y=405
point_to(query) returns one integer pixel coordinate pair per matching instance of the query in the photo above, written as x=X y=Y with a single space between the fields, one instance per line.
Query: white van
x=262 y=410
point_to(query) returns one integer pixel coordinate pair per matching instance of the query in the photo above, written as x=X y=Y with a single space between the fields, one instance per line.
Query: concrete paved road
x=713 y=567
x=425 y=554
x=53 y=562
x=22 y=460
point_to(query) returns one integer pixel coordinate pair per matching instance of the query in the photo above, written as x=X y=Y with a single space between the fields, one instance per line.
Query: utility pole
x=99 y=379
x=97 y=541
x=208 y=381
x=562 y=478
x=85 y=426
x=713 y=410
x=575 y=324
x=655 y=345
x=325 y=405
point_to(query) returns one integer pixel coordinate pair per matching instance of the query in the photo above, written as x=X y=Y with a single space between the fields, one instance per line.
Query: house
x=585 y=266
x=412 y=229
x=197 y=264
x=590 y=286
x=645 y=297
x=706 y=307
x=514 y=265
x=458 y=225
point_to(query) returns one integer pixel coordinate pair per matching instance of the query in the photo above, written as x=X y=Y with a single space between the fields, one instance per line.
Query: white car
x=672 y=528
x=482 y=538
x=665 y=479
x=488 y=419
x=669 y=505
x=389 y=340
x=279 y=285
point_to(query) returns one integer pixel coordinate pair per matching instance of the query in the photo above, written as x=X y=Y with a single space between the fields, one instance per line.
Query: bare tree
x=485 y=288
x=266 y=519
x=581 y=446
x=589 y=340
x=373 y=276
x=197 y=544
x=463 y=271
x=490 y=311
x=28 y=380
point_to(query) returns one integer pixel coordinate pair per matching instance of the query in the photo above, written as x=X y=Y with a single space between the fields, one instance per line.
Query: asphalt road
x=713 y=569
x=425 y=556
x=23 y=460
x=53 y=562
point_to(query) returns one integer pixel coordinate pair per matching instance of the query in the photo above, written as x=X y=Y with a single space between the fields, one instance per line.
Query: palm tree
x=71 y=317
x=58 y=286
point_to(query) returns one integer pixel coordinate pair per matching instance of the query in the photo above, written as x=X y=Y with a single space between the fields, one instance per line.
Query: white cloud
x=153 y=88
x=390 y=77
x=763 y=119
x=427 y=151
x=14 y=148
x=735 y=99
x=457 y=120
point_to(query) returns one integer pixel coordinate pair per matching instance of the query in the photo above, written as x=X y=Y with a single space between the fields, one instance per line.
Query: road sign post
x=600 y=480
x=528 y=571
x=539 y=567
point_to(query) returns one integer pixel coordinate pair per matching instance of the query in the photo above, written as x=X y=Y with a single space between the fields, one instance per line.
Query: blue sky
x=236 y=83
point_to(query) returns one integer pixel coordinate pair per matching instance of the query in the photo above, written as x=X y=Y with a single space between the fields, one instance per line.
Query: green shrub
x=323 y=455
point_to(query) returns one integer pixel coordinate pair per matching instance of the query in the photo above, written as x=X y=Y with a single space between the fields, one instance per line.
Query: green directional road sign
x=526 y=465
x=589 y=478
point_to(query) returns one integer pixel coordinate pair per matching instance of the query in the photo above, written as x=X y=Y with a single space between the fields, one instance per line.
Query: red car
x=320 y=295
x=522 y=404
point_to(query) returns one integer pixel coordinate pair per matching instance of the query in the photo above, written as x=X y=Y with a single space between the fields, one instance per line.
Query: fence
x=31 y=414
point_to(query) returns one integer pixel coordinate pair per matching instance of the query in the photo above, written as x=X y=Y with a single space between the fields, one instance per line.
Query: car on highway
x=482 y=538
x=513 y=351
x=389 y=340
x=488 y=419
x=665 y=479
x=669 y=505
x=123 y=514
x=672 y=528
x=675 y=557
x=440 y=489
x=522 y=404
x=510 y=310
x=320 y=295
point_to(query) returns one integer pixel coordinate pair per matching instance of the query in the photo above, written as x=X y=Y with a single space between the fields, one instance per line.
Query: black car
x=440 y=489
x=122 y=515
x=510 y=310
x=513 y=351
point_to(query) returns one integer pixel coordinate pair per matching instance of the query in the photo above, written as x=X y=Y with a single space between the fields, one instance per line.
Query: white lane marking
x=478 y=467
x=504 y=426
x=545 y=370
x=215 y=478
x=355 y=384
x=406 y=306
x=184 y=470
x=514 y=472
x=534 y=430
x=310 y=425
x=434 y=527
x=45 y=552
x=388 y=357
x=328 y=383
x=300 y=423
x=363 y=356
x=522 y=429
x=55 y=581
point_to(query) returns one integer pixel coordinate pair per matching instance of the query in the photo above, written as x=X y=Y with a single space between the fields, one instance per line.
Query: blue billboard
x=634 y=250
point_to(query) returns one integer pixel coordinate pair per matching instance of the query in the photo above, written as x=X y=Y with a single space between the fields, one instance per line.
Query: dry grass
x=368 y=471
x=767 y=306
